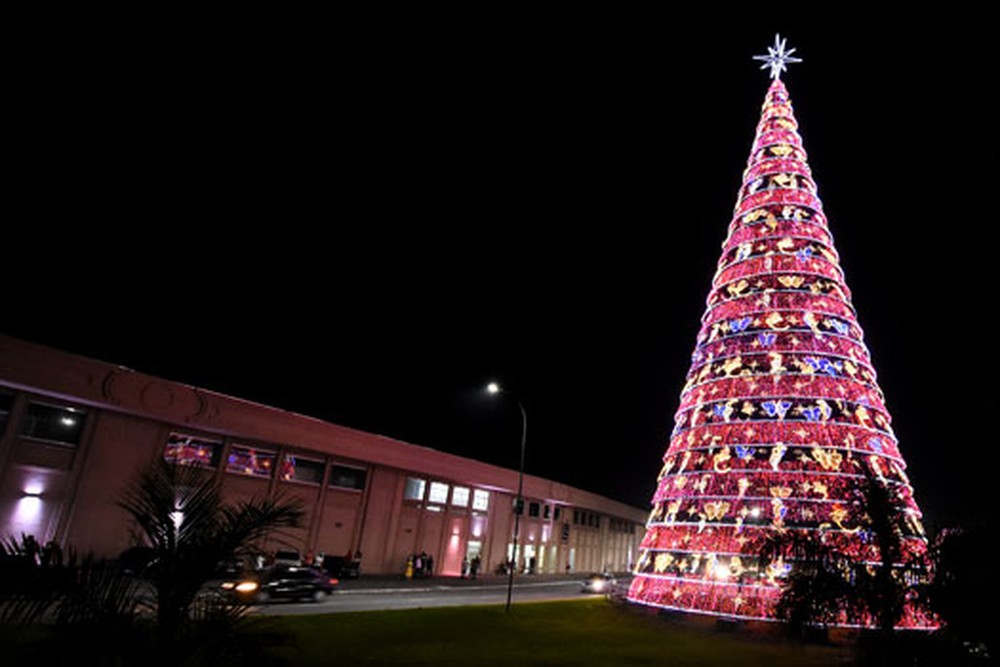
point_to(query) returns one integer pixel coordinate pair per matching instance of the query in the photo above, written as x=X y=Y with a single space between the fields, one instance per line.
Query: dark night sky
x=365 y=220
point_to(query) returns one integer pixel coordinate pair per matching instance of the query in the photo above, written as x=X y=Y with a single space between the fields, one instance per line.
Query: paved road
x=429 y=594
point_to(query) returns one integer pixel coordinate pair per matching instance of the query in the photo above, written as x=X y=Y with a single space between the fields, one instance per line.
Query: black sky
x=365 y=220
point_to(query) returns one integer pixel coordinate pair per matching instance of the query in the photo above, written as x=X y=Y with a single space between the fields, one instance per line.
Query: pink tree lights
x=781 y=421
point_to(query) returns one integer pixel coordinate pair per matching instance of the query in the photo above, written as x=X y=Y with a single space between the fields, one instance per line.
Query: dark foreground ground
x=588 y=631
x=585 y=632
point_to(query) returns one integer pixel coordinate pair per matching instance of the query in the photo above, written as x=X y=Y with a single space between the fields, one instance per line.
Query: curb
x=443 y=587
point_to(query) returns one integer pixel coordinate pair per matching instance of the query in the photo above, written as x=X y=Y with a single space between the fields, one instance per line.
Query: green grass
x=583 y=632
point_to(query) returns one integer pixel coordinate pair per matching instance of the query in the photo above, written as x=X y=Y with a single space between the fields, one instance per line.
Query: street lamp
x=495 y=388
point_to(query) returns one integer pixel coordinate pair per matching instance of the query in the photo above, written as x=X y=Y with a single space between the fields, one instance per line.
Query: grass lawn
x=577 y=632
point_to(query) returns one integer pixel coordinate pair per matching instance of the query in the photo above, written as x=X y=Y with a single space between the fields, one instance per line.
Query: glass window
x=54 y=423
x=548 y=512
x=250 y=461
x=348 y=477
x=189 y=450
x=558 y=513
x=460 y=496
x=480 y=500
x=439 y=493
x=299 y=469
x=6 y=401
x=533 y=509
x=414 y=489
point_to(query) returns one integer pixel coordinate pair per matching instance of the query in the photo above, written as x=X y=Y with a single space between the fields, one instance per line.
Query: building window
x=548 y=512
x=414 y=489
x=299 y=469
x=557 y=514
x=250 y=461
x=348 y=477
x=480 y=500
x=6 y=401
x=439 y=493
x=533 y=509
x=187 y=450
x=576 y=517
x=53 y=423
x=460 y=496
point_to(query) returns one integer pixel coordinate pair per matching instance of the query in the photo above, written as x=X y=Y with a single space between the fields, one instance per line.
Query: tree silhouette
x=826 y=585
x=109 y=612
x=181 y=516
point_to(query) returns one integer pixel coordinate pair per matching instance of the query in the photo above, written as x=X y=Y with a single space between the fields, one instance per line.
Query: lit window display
x=190 y=450
x=250 y=461
x=460 y=496
x=300 y=469
x=480 y=500
x=439 y=493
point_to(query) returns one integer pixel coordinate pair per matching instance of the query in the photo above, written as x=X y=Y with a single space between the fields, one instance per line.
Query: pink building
x=73 y=430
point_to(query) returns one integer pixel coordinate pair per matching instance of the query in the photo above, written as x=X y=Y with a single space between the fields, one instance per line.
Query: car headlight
x=246 y=587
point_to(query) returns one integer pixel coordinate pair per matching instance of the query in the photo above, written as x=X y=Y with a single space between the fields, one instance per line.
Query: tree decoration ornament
x=777 y=58
x=781 y=422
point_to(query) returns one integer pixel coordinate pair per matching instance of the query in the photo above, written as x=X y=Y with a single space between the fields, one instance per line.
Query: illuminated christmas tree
x=781 y=422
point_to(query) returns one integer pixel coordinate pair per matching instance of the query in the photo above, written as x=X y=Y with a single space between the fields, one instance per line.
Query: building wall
x=64 y=487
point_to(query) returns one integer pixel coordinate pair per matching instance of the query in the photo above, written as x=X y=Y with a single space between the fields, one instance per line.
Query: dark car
x=341 y=567
x=287 y=557
x=294 y=583
x=135 y=560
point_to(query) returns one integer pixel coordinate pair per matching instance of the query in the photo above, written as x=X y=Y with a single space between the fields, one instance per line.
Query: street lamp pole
x=494 y=388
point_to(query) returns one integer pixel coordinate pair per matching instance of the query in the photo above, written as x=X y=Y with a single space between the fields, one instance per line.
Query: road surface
x=430 y=595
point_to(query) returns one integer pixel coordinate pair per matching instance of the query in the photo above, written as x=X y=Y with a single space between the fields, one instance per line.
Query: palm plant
x=826 y=585
x=180 y=515
x=105 y=613
x=963 y=587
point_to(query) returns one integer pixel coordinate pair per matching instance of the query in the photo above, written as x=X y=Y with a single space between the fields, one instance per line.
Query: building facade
x=74 y=431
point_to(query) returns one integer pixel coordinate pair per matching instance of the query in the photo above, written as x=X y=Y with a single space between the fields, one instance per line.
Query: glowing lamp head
x=493 y=388
x=721 y=571
x=33 y=489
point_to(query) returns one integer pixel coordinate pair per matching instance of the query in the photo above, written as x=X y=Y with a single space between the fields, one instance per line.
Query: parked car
x=342 y=568
x=287 y=557
x=284 y=582
x=135 y=560
x=606 y=582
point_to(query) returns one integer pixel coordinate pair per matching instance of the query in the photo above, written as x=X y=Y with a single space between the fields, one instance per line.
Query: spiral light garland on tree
x=781 y=421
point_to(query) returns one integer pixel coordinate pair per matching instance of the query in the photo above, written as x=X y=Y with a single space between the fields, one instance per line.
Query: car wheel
x=263 y=597
x=318 y=596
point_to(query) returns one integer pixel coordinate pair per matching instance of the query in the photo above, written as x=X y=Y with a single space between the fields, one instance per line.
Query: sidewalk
x=387 y=583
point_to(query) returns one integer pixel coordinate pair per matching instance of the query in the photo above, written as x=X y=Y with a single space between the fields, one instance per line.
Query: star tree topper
x=777 y=58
